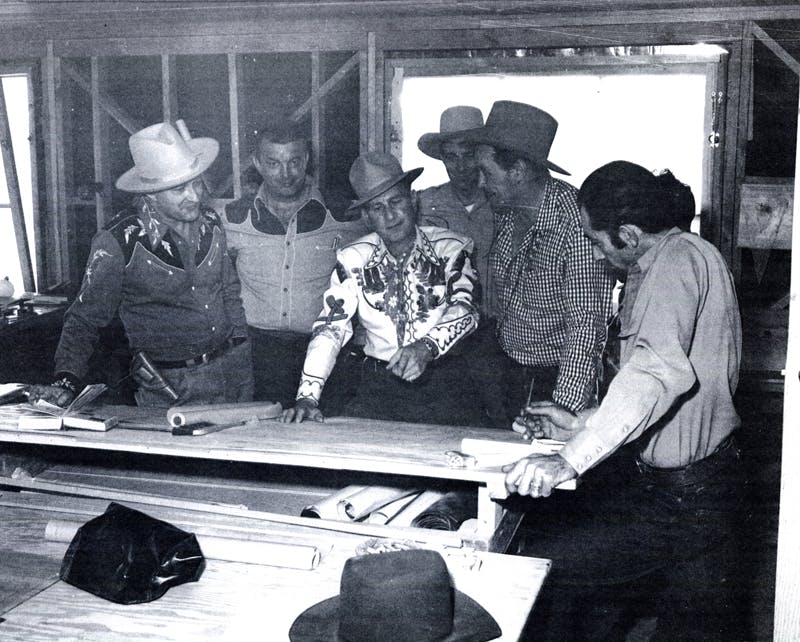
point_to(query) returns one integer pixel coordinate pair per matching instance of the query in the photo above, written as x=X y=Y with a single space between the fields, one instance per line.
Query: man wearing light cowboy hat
x=554 y=298
x=460 y=204
x=163 y=266
x=412 y=289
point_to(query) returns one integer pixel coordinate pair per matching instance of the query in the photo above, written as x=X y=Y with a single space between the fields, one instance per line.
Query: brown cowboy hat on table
x=452 y=122
x=373 y=173
x=521 y=128
x=163 y=159
x=402 y=596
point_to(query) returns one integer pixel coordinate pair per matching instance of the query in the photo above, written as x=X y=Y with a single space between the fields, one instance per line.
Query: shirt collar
x=646 y=260
x=422 y=246
x=310 y=192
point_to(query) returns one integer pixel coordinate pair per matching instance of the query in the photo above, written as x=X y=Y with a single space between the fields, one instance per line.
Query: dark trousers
x=663 y=542
x=437 y=397
x=502 y=385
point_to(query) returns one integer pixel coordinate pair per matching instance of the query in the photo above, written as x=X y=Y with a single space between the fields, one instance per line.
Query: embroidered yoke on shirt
x=429 y=296
x=554 y=298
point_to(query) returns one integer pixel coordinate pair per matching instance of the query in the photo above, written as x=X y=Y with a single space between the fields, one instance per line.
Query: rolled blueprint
x=449 y=512
x=223 y=413
x=328 y=507
x=230 y=549
x=371 y=498
x=383 y=514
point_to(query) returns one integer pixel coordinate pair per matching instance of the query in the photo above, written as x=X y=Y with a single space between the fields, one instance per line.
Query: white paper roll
x=230 y=549
x=383 y=514
x=223 y=413
x=362 y=503
x=328 y=507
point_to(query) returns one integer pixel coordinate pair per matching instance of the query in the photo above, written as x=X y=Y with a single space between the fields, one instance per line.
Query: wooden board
x=236 y=601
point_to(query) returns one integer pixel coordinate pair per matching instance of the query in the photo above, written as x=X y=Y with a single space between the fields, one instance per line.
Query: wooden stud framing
x=317 y=144
x=100 y=125
x=58 y=271
x=169 y=89
x=327 y=87
x=12 y=183
x=233 y=104
x=109 y=104
x=371 y=91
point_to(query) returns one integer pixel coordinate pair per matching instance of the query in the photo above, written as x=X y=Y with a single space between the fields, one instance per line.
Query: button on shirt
x=175 y=299
x=554 y=298
x=429 y=295
x=680 y=351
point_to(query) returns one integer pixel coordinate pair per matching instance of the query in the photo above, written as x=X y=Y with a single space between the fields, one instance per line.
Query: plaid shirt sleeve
x=587 y=298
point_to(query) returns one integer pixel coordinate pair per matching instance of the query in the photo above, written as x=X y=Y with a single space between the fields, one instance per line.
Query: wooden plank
x=59 y=271
x=363 y=102
x=789 y=60
x=327 y=87
x=233 y=104
x=130 y=124
x=395 y=145
x=371 y=92
x=101 y=143
x=787 y=586
x=169 y=89
x=239 y=601
x=12 y=184
x=317 y=143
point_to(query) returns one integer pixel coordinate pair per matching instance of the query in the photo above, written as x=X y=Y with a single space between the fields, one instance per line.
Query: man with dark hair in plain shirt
x=672 y=522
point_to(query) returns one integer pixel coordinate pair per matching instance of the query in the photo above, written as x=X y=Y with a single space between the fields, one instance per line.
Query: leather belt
x=202 y=358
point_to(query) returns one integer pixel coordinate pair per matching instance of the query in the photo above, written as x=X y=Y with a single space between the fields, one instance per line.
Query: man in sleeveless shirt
x=284 y=244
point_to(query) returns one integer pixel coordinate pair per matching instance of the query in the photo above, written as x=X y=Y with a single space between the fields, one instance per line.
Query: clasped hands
x=538 y=475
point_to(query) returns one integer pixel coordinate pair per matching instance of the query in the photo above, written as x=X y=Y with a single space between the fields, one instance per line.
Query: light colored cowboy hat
x=373 y=173
x=402 y=596
x=163 y=159
x=520 y=128
x=452 y=122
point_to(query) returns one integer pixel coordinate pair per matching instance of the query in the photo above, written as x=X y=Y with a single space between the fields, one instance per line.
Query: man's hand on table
x=304 y=409
x=538 y=475
x=547 y=420
x=410 y=361
x=57 y=395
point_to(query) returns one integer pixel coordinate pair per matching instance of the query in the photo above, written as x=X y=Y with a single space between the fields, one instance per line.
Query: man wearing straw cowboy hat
x=554 y=298
x=163 y=266
x=412 y=289
x=460 y=204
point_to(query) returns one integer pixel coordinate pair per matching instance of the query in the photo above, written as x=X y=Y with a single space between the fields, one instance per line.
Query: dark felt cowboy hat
x=452 y=122
x=520 y=128
x=373 y=173
x=163 y=159
x=402 y=596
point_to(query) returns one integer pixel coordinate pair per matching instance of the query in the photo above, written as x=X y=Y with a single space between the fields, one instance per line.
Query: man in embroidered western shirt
x=163 y=267
x=284 y=244
x=411 y=288
x=672 y=403
x=553 y=298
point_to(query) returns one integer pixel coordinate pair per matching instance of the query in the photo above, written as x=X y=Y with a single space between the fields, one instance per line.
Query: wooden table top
x=231 y=601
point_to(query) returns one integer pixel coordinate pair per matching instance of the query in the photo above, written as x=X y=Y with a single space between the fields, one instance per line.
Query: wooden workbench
x=231 y=601
x=387 y=450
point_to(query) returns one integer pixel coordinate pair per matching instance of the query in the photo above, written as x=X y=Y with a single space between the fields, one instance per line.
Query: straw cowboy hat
x=452 y=122
x=402 y=596
x=163 y=159
x=520 y=128
x=373 y=173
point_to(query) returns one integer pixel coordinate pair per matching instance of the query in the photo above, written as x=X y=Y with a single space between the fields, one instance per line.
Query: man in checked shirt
x=554 y=298
x=412 y=288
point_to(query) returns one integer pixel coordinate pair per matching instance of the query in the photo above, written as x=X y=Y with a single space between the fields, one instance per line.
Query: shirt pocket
x=150 y=275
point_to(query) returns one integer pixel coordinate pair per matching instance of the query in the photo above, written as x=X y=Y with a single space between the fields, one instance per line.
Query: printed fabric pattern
x=429 y=295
